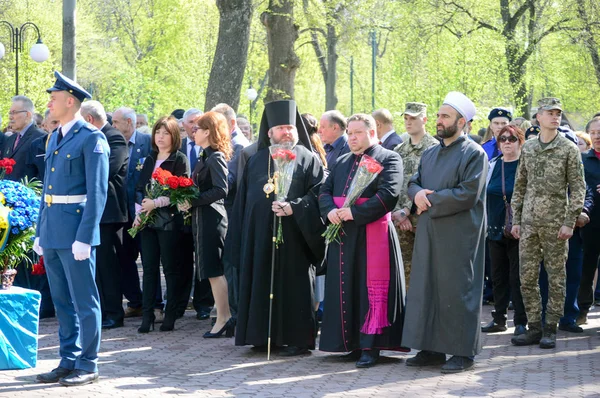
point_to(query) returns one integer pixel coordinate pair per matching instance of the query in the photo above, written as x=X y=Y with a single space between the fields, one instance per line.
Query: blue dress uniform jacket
x=78 y=165
x=141 y=149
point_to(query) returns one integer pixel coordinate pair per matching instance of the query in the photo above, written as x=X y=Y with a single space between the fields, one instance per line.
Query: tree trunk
x=589 y=40
x=281 y=37
x=331 y=99
x=69 y=65
x=516 y=76
x=231 y=54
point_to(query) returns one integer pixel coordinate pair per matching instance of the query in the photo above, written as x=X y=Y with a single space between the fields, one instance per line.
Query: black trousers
x=232 y=275
x=108 y=272
x=504 y=258
x=130 y=280
x=160 y=247
x=591 y=254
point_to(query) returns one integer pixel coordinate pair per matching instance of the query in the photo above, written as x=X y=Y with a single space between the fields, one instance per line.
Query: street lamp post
x=39 y=51
x=373 y=66
x=251 y=94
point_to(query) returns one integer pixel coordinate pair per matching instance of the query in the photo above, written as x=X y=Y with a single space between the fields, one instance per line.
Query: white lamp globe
x=251 y=94
x=39 y=52
x=2 y=51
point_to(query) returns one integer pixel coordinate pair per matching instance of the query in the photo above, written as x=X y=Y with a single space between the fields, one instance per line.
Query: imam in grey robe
x=443 y=304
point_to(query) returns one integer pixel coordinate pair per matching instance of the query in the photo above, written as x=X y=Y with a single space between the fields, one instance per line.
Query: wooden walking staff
x=269 y=188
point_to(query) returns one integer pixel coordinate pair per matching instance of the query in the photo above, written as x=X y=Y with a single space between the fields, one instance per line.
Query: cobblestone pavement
x=183 y=363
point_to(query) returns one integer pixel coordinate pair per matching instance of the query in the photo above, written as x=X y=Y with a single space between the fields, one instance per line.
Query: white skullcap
x=461 y=103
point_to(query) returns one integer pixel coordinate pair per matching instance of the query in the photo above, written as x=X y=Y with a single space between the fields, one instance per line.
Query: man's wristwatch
x=403 y=213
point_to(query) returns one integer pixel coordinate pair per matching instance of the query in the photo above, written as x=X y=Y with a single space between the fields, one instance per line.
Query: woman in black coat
x=160 y=241
x=209 y=218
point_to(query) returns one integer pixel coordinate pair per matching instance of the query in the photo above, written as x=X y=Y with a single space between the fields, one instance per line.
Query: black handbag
x=508 y=214
x=167 y=219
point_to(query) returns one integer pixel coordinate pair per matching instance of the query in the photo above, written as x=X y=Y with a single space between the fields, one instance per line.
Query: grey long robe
x=443 y=304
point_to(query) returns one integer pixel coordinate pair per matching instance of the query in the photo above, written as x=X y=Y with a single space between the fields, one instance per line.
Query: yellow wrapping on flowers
x=4 y=223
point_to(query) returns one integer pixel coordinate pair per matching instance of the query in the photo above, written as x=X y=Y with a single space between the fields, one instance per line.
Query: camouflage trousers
x=537 y=244
x=407 y=242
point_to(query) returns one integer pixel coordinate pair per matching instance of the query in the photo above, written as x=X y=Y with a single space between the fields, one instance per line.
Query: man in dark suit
x=138 y=144
x=25 y=130
x=385 y=129
x=203 y=300
x=114 y=217
x=238 y=143
x=37 y=150
x=332 y=130
x=18 y=147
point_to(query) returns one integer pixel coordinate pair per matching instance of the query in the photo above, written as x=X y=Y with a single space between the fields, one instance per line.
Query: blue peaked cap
x=63 y=83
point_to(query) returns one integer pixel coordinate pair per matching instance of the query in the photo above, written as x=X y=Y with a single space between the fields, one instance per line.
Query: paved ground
x=183 y=363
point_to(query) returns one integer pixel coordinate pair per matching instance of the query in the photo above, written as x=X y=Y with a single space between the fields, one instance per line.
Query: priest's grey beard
x=294 y=143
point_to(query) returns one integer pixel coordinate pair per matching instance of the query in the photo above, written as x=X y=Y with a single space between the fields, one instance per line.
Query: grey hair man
x=238 y=143
x=332 y=130
x=108 y=268
x=25 y=131
x=125 y=120
x=245 y=127
x=141 y=120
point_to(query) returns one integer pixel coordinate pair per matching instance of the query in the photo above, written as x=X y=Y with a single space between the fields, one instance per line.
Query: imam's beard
x=449 y=131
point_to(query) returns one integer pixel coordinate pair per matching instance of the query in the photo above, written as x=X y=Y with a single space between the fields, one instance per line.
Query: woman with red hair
x=209 y=218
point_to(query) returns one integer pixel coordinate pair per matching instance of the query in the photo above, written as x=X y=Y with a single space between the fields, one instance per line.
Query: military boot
x=549 y=338
x=532 y=336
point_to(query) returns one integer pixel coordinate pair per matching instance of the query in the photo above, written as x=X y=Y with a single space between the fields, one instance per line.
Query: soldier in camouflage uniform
x=548 y=197
x=415 y=117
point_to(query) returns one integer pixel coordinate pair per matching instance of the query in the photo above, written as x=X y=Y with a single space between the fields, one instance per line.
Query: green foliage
x=156 y=55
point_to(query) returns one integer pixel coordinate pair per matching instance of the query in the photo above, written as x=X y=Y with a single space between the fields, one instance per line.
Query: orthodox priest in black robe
x=443 y=306
x=250 y=244
x=364 y=288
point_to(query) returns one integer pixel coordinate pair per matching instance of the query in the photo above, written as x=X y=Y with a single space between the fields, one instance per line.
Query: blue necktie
x=193 y=156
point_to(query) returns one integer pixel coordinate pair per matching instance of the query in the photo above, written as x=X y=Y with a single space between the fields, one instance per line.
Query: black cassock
x=249 y=247
x=346 y=294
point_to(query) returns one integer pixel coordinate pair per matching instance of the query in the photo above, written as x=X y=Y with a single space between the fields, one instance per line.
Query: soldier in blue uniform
x=73 y=199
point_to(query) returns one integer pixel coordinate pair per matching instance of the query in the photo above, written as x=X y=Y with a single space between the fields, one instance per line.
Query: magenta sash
x=378 y=271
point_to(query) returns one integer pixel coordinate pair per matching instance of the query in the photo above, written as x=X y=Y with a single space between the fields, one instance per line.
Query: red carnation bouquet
x=284 y=159
x=39 y=267
x=179 y=190
x=368 y=170
x=6 y=167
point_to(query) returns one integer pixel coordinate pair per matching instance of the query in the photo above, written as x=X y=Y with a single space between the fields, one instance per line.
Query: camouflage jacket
x=549 y=186
x=411 y=156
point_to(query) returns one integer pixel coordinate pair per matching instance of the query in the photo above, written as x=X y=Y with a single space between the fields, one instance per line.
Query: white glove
x=81 y=251
x=37 y=248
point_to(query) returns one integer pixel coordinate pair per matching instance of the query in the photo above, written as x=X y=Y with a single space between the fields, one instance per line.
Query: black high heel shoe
x=147 y=322
x=228 y=329
x=168 y=323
